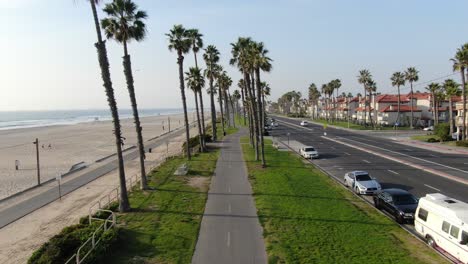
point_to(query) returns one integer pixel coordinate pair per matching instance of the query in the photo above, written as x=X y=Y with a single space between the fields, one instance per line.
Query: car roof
x=308 y=147
x=394 y=191
x=359 y=172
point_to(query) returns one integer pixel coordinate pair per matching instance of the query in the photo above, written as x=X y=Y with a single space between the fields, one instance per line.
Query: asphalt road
x=13 y=213
x=230 y=231
x=394 y=165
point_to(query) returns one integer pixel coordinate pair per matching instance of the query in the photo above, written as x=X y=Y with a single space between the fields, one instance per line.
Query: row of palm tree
x=445 y=91
x=460 y=64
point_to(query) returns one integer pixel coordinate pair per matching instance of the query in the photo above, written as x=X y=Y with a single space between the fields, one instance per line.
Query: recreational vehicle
x=443 y=222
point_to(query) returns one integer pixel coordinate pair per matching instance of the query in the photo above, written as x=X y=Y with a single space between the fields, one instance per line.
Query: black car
x=399 y=203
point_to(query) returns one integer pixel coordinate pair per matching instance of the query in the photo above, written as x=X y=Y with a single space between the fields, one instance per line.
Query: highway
x=394 y=165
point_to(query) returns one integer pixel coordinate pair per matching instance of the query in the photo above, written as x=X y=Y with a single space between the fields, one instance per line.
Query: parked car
x=274 y=124
x=267 y=127
x=304 y=123
x=443 y=222
x=399 y=203
x=309 y=152
x=429 y=128
x=361 y=182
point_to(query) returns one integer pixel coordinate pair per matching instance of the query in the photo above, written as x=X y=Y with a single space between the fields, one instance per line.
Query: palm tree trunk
x=254 y=123
x=124 y=204
x=412 y=115
x=200 y=134
x=259 y=107
x=255 y=116
x=399 y=103
x=213 y=110
x=220 y=101
x=365 y=106
x=202 y=110
x=180 y=61
x=462 y=70
x=451 y=115
x=226 y=108
x=243 y=105
x=131 y=90
x=434 y=111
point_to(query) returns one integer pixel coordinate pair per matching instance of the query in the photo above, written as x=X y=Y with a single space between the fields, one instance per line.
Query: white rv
x=443 y=221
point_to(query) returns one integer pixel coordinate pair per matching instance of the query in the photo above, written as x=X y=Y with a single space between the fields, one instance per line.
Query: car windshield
x=363 y=177
x=309 y=149
x=402 y=199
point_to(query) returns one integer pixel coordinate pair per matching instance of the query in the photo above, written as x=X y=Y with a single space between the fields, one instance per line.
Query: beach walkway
x=230 y=231
x=50 y=193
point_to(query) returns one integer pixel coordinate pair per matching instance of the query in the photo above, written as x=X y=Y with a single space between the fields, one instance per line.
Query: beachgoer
x=50 y=146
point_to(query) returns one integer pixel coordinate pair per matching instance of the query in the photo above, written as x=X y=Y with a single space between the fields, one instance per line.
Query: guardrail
x=92 y=242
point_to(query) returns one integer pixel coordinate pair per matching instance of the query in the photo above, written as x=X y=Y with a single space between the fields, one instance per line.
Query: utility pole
x=169 y=122
x=37 y=160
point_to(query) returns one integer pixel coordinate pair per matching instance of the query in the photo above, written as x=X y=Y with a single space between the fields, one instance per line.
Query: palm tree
x=314 y=95
x=179 y=42
x=411 y=75
x=241 y=85
x=196 y=82
x=433 y=88
x=363 y=78
x=211 y=58
x=197 y=44
x=460 y=63
x=124 y=204
x=451 y=89
x=266 y=91
x=398 y=79
x=124 y=24
x=372 y=89
x=236 y=96
x=336 y=86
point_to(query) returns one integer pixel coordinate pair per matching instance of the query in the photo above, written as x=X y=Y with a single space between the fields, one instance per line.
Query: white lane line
x=394 y=172
x=229 y=239
x=333 y=148
x=229 y=189
x=347 y=153
x=229 y=208
x=466 y=163
x=435 y=156
x=366 y=161
x=432 y=187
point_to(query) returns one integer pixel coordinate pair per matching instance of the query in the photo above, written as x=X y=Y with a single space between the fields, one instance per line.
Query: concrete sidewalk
x=230 y=231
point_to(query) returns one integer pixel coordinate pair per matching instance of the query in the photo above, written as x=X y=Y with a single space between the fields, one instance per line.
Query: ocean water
x=27 y=119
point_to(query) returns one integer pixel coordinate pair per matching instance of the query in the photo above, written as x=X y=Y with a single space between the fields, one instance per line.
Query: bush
x=462 y=143
x=195 y=141
x=432 y=140
x=443 y=130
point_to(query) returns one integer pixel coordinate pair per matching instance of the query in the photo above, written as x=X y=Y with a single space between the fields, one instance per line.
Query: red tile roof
x=391 y=98
x=403 y=108
x=419 y=96
x=361 y=109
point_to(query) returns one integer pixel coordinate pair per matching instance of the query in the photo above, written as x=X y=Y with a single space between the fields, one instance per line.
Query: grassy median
x=308 y=218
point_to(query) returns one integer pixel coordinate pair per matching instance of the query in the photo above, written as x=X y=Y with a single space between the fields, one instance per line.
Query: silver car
x=361 y=182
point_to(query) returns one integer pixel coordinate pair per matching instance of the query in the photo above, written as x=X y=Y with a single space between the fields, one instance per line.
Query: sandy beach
x=69 y=145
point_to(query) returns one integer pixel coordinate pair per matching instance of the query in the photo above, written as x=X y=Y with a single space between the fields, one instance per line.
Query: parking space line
x=366 y=161
x=228 y=239
x=394 y=172
x=427 y=185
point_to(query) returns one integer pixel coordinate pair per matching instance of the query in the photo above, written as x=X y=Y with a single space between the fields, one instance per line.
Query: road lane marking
x=394 y=172
x=228 y=239
x=366 y=161
x=419 y=167
x=229 y=189
x=427 y=185
x=229 y=208
x=433 y=155
x=347 y=153
x=333 y=147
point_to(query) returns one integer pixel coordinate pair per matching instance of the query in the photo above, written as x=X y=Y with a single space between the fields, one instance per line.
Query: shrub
x=432 y=140
x=443 y=130
x=462 y=143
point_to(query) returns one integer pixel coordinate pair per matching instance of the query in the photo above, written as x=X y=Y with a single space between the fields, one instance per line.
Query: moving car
x=304 y=123
x=399 y=203
x=361 y=182
x=429 y=128
x=443 y=222
x=309 y=152
x=274 y=124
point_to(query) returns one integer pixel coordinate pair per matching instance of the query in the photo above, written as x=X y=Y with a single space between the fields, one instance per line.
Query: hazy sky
x=49 y=61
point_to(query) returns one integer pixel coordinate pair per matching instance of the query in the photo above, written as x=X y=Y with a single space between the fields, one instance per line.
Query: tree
x=197 y=44
x=460 y=63
x=196 y=82
x=363 y=78
x=434 y=88
x=336 y=84
x=398 y=79
x=314 y=95
x=372 y=89
x=451 y=88
x=124 y=24
x=411 y=75
x=236 y=96
x=124 y=204
x=179 y=42
x=211 y=57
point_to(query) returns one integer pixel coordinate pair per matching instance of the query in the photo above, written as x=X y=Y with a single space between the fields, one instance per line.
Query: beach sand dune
x=60 y=147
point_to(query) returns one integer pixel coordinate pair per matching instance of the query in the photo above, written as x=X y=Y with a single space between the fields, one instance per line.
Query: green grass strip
x=309 y=218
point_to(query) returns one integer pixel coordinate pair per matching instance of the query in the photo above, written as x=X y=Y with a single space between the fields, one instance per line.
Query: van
x=443 y=222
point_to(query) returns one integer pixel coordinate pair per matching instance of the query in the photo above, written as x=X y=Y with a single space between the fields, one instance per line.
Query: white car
x=304 y=123
x=309 y=152
x=361 y=182
x=429 y=128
